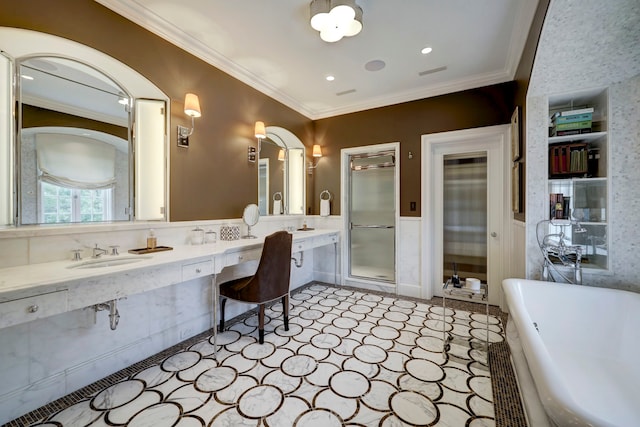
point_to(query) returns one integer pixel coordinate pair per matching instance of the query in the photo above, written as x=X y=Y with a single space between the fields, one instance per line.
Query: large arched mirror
x=76 y=158
x=74 y=144
x=281 y=177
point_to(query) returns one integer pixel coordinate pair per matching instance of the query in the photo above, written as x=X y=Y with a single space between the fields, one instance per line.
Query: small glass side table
x=463 y=293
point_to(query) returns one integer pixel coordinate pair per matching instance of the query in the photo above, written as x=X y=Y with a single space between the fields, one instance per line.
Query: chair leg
x=223 y=302
x=261 y=323
x=285 y=310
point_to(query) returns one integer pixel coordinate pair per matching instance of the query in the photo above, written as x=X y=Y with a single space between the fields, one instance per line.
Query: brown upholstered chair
x=270 y=282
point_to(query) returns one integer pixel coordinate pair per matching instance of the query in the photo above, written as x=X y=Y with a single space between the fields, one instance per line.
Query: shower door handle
x=371 y=226
x=494 y=234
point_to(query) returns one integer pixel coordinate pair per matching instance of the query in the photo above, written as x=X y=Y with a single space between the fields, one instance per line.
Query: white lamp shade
x=260 y=131
x=281 y=155
x=192 y=105
x=317 y=151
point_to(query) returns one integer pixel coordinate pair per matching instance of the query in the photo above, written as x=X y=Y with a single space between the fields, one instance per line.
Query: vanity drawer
x=299 y=246
x=234 y=258
x=32 y=308
x=197 y=269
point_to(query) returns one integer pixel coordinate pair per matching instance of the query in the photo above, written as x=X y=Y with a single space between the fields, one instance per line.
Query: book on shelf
x=573 y=118
x=559 y=206
x=572 y=112
x=573 y=125
x=568 y=159
x=555 y=132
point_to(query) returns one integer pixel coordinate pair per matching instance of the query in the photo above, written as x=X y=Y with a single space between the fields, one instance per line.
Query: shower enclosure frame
x=345 y=191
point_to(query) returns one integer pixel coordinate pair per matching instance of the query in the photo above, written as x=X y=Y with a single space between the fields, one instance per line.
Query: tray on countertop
x=150 y=250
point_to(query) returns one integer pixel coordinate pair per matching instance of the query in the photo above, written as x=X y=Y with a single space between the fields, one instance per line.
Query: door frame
x=493 y=138
x=345 y=185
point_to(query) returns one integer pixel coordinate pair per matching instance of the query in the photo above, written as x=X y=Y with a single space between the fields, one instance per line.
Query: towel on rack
x=325 y=207
x=277 y=207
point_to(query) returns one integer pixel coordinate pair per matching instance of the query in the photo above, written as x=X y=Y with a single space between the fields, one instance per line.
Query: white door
x=480 y=230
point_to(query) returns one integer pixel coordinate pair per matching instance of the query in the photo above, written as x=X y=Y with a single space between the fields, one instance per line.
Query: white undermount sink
x=109 y=261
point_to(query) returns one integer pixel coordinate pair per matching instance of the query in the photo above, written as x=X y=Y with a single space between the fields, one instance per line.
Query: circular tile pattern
x=318 y=417
x=413 y=408
x=326 y=341
x=117 y=395
x=160 y=415
x=344 y=323
x=299 y=365
x=257 y=351
x=260 y=401
x=216 y=378
x=180 y=361
x=311 y=314
x=424 y=370
x=396 y=316
x=350 y=356
x=385 y=332
x=349 y=384
x=370 y=354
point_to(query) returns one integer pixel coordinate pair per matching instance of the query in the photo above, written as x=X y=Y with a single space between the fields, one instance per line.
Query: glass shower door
x=372 y=217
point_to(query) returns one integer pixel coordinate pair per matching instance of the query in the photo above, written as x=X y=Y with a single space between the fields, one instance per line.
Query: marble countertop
x=35 y=276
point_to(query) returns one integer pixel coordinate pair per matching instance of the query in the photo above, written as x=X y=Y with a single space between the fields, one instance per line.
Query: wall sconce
x=281 y=155
x=191 y=109
x=260 y=133
x=317 y=154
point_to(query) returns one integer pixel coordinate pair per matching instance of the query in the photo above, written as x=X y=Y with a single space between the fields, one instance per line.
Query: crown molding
x=414 y=95
x=131 y=10
x=139 y=15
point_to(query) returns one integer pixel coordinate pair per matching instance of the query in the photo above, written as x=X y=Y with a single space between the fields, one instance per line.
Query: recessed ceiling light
x=24 y=76
x=375 y=65
x=426 y=50
x=330 y=78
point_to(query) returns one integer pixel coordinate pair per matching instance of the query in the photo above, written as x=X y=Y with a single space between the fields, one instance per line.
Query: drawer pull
x=198 y=271
x=33 y=308
x=240 y=258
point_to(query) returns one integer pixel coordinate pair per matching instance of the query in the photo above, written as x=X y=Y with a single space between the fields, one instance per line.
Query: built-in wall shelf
x=578 y=173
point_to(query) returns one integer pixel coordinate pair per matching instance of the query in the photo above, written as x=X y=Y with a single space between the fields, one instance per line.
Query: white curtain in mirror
x=75 y=161
x=6 y=142
x=149 y=136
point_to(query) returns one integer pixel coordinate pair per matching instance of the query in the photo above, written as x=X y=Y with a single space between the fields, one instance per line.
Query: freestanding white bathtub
x=581 y=347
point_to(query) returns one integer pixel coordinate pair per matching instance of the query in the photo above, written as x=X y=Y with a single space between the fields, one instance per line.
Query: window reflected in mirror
x=74 y=144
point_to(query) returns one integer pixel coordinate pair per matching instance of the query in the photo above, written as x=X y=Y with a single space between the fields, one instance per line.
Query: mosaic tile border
x=508 y=411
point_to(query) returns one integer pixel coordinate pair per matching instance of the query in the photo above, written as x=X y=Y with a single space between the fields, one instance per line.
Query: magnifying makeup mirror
x=250 y=217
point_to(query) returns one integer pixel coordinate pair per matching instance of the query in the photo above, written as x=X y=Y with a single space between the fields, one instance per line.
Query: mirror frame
x=288 y=141
x=28 y=43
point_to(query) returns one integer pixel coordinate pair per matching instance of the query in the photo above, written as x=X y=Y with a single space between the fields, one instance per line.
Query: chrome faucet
x=98 y=251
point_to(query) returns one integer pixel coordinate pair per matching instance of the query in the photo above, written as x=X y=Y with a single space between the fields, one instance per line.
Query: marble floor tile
x=349 y=358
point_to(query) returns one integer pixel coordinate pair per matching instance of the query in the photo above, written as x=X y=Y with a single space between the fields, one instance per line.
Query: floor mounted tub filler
x=576 y=352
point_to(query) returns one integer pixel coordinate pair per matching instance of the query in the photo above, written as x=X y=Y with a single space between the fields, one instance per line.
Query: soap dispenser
x=151 y=240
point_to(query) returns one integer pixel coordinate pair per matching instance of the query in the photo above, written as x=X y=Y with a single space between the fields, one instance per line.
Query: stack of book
x=568 y=159
x=572 y=122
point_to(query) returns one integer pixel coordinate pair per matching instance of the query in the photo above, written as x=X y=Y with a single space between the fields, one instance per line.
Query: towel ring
x=276 y=194
x=327 y=193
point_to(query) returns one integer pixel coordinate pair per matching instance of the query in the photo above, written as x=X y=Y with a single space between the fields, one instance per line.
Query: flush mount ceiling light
x=336 y=19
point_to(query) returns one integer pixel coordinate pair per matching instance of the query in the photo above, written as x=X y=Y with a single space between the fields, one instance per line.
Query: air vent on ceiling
x=344 y=92
x=431 y=71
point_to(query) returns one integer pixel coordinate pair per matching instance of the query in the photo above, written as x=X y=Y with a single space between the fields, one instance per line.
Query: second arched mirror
x=281 y=173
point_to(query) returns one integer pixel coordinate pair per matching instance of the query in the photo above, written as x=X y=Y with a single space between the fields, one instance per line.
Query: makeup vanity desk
x=36 y=291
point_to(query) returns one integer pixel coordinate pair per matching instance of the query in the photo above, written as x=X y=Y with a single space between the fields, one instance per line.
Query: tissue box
x=229 y=232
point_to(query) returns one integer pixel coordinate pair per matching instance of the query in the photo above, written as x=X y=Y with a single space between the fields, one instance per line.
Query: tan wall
x=405 y=123
x=212 y=178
